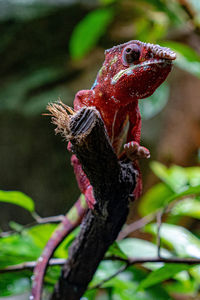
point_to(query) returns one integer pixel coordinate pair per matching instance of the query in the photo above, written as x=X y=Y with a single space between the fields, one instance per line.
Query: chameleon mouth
x=144 y=65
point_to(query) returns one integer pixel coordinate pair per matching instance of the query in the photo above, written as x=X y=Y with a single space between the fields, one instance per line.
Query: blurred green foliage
x=177 y=182
x=38 y=41
x=133 y=282
x=151 y=21
x=17 y=198
x=87 y=33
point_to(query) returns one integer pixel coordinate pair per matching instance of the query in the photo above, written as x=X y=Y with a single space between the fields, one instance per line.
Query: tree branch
x=112 y=182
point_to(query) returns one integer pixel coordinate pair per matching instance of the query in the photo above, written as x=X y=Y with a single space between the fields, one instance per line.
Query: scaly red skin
x=118 y=87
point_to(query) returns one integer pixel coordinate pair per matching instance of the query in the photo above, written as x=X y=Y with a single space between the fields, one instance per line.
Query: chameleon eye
x=131 y=54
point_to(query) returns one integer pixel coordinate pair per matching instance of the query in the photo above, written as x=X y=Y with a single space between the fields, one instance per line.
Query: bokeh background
x=51 y=49
x=54 y=48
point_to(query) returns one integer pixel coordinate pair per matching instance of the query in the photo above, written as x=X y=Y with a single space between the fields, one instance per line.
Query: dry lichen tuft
x=60 y=115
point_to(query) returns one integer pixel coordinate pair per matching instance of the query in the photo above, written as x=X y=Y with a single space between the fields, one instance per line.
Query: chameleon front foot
x=134 y=151
x=89 y=197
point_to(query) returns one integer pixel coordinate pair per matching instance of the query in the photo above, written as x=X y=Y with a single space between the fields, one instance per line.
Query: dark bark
x=113 y=181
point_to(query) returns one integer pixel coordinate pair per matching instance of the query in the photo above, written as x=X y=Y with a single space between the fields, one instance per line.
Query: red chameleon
x=130 y=72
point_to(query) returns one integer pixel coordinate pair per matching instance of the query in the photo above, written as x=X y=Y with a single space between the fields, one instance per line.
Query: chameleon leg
x=83 y=182
x=132 y=148
x=134 y=151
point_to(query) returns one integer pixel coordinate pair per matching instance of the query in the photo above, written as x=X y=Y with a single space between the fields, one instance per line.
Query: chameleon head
x=135 y=70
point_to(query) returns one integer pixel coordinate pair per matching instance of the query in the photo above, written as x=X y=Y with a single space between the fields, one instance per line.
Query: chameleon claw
x=134 y=151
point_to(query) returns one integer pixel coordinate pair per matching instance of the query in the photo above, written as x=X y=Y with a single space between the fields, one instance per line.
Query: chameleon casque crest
x=130 y=72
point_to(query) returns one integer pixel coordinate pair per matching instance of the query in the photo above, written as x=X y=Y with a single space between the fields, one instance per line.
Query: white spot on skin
x=34 y=284
x=114 y=60
x=130 y=71
x=95 y=84
x=40 y=259
x=113 y=127
x=115 y=100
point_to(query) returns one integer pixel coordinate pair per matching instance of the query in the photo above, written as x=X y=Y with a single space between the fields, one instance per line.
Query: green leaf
x=154 y=104
x=151 y=28
x=154 y=198
x=124 y=285
x=51 y=276
x=17 y=198
x=194 y=190
x=14 y=283
x=136 y=248
x=105 y=269
x=188 y=287
x=90 y=295
x=114 y=249
x=187 y=207
x=171 y=9
x=178 y=179
x=28 y=245
x=165 y=272
x=42 y=233
x=156 y=292
x=195 y=272
x=88 y=31
x=187 y=58
x=193 y=174
x=182 y=241
x=16 y=226
x=133 y=247
x=175 y=177
x=16 y=249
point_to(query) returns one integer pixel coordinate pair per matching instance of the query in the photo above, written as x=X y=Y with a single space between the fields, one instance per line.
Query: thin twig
x=189 y=261
x=141 y=260
x=122 y=269
x=159 y=223
x=29 y=265
x=130 y=261
x=52 y=219
x=136 y=226
x=39 y=220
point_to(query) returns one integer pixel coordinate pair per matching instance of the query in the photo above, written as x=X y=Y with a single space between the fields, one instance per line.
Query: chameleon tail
x=72 y=219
